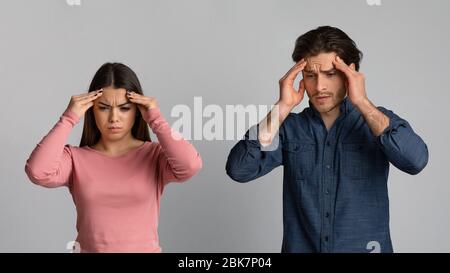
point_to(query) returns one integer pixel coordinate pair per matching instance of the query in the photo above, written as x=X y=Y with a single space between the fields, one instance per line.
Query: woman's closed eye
x=102 y=108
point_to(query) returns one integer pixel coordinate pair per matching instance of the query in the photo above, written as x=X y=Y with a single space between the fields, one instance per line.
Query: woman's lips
x=115 y=129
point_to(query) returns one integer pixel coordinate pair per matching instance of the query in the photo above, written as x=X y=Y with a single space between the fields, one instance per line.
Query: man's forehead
x=321 y=62
x=319 y=68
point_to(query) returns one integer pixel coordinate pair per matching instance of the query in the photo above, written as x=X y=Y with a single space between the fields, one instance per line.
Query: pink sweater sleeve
x=178 y=160
x=50 y=163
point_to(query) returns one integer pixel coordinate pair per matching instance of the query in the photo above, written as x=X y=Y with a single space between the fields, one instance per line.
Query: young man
x=335 y=153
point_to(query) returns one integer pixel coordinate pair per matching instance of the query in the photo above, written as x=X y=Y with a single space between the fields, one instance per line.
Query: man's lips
x=322 y=99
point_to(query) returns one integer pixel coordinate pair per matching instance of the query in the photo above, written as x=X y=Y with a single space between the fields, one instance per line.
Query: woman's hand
x=143 y=103
x=79 y=104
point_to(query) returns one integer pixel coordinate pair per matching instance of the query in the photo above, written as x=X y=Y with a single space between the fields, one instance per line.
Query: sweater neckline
x=118 y=156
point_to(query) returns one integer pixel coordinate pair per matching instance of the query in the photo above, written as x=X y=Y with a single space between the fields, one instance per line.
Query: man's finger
x=292 y=74
x=342 y=66
x=293 y=68
x=353 y=67
x=301 y=88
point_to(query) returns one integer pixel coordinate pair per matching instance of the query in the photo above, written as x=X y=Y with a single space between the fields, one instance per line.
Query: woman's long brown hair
x=116 y=75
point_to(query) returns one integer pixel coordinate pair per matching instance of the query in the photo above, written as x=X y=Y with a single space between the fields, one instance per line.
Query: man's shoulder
x=297 y=119
x=305 y=112
x=386 y=111
x=382 y=108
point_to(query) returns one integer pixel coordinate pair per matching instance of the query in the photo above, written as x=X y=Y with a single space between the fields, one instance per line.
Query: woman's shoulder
x=147 y=146
x=74 y=148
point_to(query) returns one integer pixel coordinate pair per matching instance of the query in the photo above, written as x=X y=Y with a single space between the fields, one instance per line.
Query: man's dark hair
x=326 y=39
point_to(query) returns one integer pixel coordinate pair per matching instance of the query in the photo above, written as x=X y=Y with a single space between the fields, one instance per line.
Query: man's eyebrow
x=329 y=70
x=117 y=105
x=321 y=71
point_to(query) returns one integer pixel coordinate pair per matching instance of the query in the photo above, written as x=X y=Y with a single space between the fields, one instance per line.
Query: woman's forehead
x=113 y=96
x=114 y=91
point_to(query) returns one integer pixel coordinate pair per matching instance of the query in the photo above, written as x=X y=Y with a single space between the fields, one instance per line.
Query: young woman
x=117 y=174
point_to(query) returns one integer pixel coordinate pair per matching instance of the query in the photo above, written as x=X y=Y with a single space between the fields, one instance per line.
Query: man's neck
x=329 y=118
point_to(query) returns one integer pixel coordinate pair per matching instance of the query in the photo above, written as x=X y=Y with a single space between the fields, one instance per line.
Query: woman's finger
x=138 y=100
x=91 y=98
x=90 y=93
x=134 y=95
x=93 y=94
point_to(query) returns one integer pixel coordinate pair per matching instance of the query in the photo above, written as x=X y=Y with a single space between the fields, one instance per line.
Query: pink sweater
x=117 y=198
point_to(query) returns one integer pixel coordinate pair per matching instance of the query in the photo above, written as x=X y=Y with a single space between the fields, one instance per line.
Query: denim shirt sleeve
x=248 y=159
x=402 y=146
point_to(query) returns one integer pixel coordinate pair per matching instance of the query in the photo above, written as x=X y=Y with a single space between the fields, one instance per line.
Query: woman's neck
x=118 y=146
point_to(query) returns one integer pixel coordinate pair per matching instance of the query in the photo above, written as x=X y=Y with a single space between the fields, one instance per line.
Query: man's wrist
x=364 y=105
x=283 y=110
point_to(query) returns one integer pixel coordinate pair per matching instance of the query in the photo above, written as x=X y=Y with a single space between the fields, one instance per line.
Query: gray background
x=228 y=52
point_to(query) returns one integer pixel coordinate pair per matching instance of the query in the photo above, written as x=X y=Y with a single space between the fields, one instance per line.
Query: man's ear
x=352 y=66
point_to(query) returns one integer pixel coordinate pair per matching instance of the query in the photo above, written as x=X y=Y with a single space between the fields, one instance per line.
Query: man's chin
x=323 y=109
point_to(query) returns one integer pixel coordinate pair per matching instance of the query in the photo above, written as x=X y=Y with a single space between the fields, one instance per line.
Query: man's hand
x=355 y=83
x=289 y=97
x=375 y=119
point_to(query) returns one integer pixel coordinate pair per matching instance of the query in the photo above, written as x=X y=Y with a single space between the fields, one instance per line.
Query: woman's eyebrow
x=117 y=105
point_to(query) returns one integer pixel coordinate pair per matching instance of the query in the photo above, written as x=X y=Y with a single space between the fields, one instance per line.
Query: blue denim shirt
x=335 y=195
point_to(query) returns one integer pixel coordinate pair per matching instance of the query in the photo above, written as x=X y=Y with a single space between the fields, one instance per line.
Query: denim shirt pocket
x=356 y=157
x=299 y=158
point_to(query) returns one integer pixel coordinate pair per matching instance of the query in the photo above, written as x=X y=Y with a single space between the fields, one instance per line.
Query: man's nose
x=321 y=84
